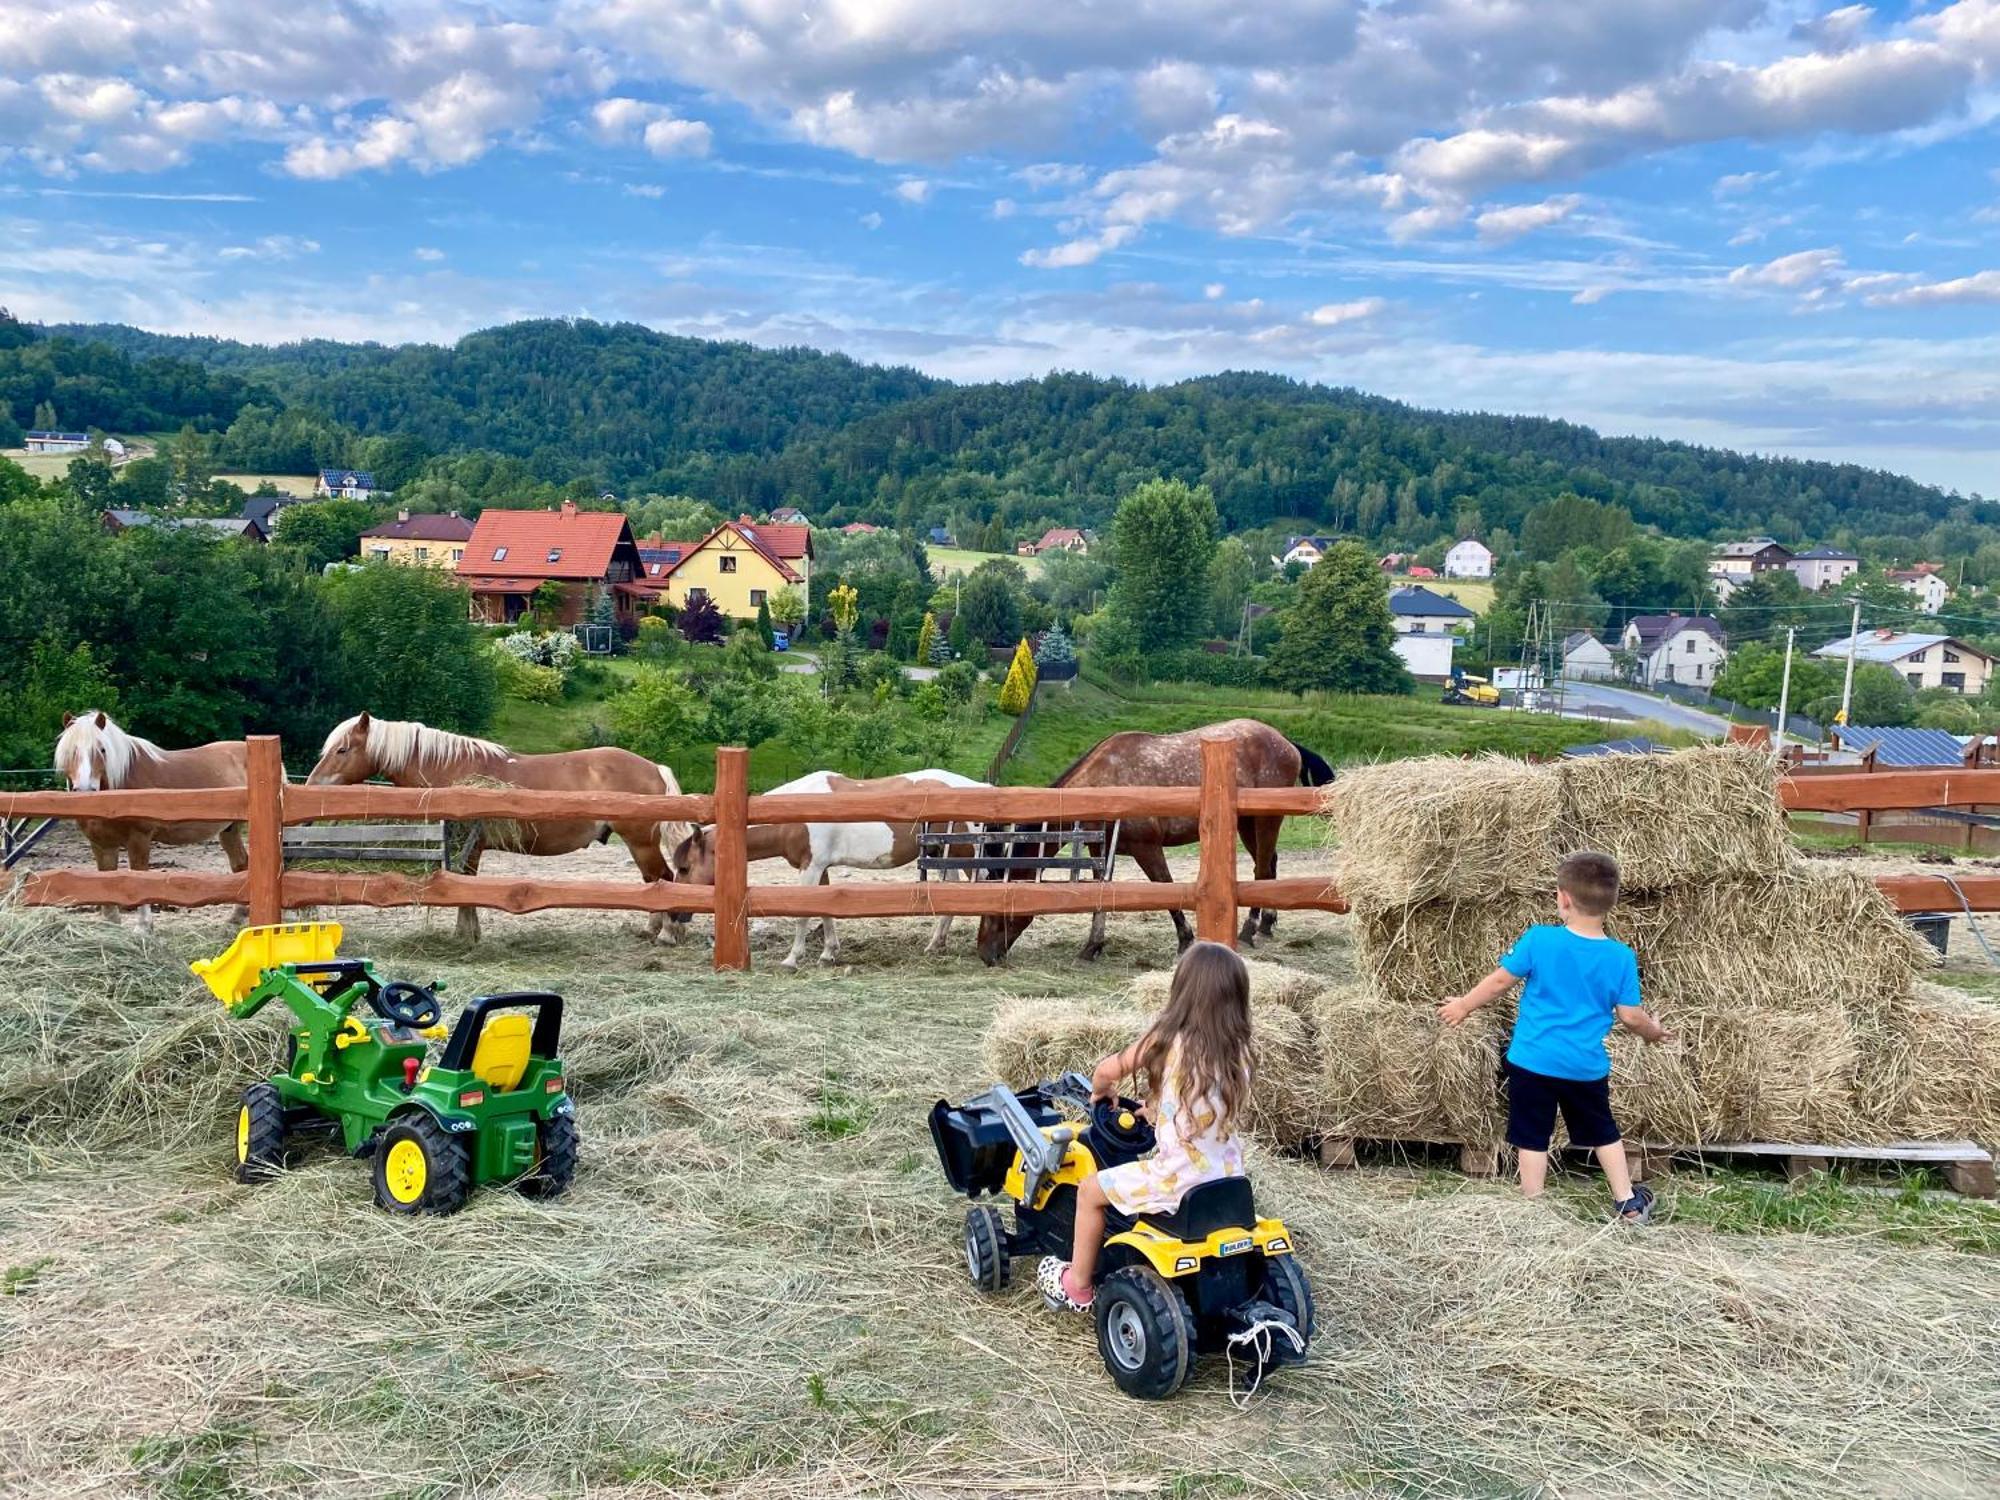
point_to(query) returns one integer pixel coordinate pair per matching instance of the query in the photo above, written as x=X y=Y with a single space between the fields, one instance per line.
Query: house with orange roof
x=739 y=565
x=512 y=553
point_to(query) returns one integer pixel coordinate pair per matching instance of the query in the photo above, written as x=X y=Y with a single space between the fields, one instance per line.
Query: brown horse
x=95 y=755
x=408 y=754
x=1264 y=758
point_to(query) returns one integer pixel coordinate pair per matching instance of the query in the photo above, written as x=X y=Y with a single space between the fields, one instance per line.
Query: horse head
x=694 y=859
x=346 y=757
x=997 y=934
x=86 y=752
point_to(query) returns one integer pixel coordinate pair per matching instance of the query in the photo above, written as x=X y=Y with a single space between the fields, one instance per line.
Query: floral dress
x=1190 y=1153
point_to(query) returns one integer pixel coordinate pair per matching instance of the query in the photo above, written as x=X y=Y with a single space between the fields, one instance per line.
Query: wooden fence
x=267 y=805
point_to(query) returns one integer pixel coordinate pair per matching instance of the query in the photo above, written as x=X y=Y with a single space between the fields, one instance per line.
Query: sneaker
x=1637 y=1209
x=1049 y=1276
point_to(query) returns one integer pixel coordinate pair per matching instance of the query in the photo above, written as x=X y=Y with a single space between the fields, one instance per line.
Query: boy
x=1578 y=980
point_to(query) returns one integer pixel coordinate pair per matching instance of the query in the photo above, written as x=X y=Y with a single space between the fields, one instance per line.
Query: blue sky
x=1773 y=226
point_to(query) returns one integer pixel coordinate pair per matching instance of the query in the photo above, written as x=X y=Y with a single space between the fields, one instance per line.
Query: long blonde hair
x=1207 y=1017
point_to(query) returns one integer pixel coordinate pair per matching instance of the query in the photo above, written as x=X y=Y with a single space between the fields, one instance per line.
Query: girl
x=1196 y=1059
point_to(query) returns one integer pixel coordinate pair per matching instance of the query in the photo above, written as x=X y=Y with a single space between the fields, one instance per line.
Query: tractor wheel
x=1145 y=1332
x=420 y=1167
x=260 y=1134
x=1286 y=1288
x=555 y=1158
x=986 y=1259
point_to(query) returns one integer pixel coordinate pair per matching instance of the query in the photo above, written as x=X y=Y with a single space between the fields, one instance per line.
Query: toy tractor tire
x=260 y=1134
x=420 y=1167
x=986 y=1258
x=555 y=1158
x=1286 y=1288
x=1145 y=1332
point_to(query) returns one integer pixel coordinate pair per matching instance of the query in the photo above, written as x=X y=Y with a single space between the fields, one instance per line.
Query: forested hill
x=752 y=427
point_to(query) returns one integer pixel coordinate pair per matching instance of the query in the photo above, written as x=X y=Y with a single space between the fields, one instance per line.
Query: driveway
x=1623 y=700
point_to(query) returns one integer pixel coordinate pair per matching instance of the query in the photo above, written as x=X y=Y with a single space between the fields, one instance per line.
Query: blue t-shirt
x=1565 y=1012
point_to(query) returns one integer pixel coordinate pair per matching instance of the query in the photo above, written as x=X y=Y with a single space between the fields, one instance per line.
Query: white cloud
x=1981 y=286
x=428 y=253
x=1590 y=296
x=1736 y=184
x=1082 y=251
x=1214 y=291
x=271 y=247
x=1420 y=223
x=913 y=190
x=621 y=121
x=1004 y=208
x=1333 y=314
x=644 y=190
x=1497 y=226
x=871 y=220
x=1791 y=273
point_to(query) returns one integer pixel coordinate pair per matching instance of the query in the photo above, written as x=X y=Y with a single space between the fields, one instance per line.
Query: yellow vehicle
x=1470 y=692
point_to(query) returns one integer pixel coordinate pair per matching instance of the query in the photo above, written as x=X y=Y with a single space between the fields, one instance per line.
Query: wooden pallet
x=1474 y=1161
x=1967 y=1166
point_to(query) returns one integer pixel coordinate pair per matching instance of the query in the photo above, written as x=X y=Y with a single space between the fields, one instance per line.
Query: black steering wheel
x=1120 y=1124
x=407 y=1005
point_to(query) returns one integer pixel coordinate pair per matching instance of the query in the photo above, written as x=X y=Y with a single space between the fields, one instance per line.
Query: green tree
x=764 y=632
x=1338 y=634
x=546 y=604
x=409 y=648
x=45 y=416
x=989 y=607
x=658 y=714
x=788 y=607
x=959 y=637
x=1161 y=542
x=191 y=459
x=927 y=638
x=1755 y=675
x=92 y=480
x=1567 y=522
x=1882 y=699
x=1231 y=571
x=326 y=532
x=1020 y=684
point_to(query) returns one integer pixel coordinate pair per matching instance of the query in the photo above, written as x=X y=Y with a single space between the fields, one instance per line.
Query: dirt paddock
x=755 y=1289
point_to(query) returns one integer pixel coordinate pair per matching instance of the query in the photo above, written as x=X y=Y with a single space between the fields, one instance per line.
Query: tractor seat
x=1226 y=1203
x=506 y=1043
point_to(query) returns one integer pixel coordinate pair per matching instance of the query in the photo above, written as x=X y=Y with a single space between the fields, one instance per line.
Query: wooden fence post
x=267 y=830
x=1215 y=886
x=732 y=865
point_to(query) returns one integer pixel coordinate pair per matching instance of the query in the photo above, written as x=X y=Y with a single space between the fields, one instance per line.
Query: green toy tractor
x=492 y=1108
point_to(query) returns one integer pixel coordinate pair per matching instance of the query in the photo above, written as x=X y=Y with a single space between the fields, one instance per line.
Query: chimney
x=404 y=515
x=568 y=509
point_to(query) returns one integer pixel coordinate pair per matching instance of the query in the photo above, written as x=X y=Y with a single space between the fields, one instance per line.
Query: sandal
x=1637 y=1209
x=1049 y=1282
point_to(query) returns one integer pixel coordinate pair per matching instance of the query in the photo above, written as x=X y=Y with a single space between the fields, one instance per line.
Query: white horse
x=813 y=849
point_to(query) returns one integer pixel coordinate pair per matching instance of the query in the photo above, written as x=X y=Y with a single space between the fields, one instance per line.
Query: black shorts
x=1534 y=1098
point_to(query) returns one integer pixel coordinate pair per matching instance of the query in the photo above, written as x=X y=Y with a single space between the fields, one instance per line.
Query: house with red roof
x=739 y=566
x=1057 y=539
x=512 y=553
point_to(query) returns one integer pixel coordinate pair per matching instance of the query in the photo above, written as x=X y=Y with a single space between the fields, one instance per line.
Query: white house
x=1468 y=559
x=41 y=441
x=1427 y=630
x=1586 y=658
x=1304 y=550
x=1930 y=590
x=1924 y=661
x=1738 y=560
x=345 y=484
x=1685 y=649
x=1824 y=567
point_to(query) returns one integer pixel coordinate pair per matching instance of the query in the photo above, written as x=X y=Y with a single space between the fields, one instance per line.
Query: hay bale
x=1390 y=1071
x=1779 y=1076
x=1654 y=1092
x=1442 y=828
x=1272 y=987
x=1697 y=815
x=1932 y=1070
x=1420 y=955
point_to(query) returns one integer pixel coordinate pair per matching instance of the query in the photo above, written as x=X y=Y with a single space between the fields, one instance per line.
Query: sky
x=1770 y=226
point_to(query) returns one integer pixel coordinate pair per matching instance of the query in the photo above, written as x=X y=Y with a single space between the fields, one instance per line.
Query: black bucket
x=973 y=1144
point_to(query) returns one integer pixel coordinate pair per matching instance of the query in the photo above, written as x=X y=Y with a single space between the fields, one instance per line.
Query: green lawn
x=300 y=485
x=41 y=465
x=948 y=560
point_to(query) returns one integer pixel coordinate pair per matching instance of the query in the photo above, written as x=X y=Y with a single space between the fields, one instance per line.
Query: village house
x=344 y=484
x=1823 y=568
x=1304 y=550
x=789 y=515
x=1924 y=661
x=236 y=528
x=738 y=566
x=588 y=553
x=1468 y=559
x=1683 y=649
x=1586 y=658
x=1924 y=582
x=658 y=557
x=1057 y=539
x=1427 y=630
x=940 y=536
x=1739 y=560
x=859 y=528
x=421 y=541
x=43 y=441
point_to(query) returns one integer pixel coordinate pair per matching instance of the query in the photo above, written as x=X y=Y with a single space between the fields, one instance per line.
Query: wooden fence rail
x=267 y=805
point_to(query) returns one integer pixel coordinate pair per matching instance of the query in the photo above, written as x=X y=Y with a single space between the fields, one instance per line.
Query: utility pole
x=1784 y=694
x=1853 y=641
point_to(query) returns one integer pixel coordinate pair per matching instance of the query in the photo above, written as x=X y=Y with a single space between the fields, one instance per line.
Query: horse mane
x=403 y=744
x=120 y=748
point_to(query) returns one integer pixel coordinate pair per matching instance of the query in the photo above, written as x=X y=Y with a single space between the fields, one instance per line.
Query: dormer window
x=499 y=554
x=555 y=554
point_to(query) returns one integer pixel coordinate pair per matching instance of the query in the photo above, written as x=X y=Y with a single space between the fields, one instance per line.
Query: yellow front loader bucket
x=234 y=972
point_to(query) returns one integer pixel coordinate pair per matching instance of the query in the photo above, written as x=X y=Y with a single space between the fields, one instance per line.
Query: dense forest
x=620 y=406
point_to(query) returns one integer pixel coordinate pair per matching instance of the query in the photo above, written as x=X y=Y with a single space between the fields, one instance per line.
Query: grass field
x=755 y=1287
x=1476 y=594
x=948 y=560
x=41 y=465
x=300 y=485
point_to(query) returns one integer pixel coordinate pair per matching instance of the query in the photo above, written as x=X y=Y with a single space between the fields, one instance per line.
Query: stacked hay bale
x=1793 y=992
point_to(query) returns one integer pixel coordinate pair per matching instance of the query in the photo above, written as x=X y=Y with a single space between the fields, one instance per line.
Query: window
x=423 y=554
x=457 y=554
x=695 y=596
x=756 y=597
x=1955 y=681
x=1950 y=655
x=1919 y=655
x=555 y=554
x=729 y=565
x=1690 y=646
x=1916 y=679
x=499 y=554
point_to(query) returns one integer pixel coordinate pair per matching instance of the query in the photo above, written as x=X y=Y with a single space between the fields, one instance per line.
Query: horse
x=1264 y=758
x=94 y=755
x=815 y=848
x=411 y=754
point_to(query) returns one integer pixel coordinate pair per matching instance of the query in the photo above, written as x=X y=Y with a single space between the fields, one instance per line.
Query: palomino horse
x=408 y=754
x=815 y=848
x=95 y=755
x=1264 y=758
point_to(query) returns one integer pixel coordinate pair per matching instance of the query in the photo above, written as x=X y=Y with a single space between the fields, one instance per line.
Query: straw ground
x=755 y=1286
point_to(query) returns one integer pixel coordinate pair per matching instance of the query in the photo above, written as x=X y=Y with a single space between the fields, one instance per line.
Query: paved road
x=1643 y=706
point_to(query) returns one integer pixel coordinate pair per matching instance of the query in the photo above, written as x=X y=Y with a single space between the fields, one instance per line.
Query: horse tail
x=1313 y=770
